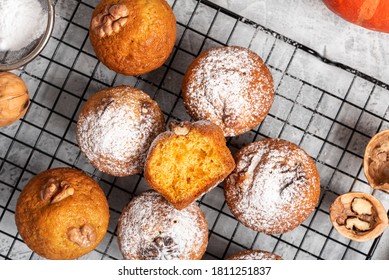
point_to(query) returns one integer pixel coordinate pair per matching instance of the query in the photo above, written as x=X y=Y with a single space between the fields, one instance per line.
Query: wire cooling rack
x=327 y=108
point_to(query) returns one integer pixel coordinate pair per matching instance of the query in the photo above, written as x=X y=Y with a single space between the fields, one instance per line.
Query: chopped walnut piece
x=182 y=128
x=64 y=193
x=162 y=248
x=55 y=191
x=357 y=224
x=361 y=206
x=84 y=236
x=358 y=216
x=151 y=252
x=49 y=189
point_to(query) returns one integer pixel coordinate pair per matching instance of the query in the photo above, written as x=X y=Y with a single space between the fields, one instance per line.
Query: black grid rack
x=329 y=109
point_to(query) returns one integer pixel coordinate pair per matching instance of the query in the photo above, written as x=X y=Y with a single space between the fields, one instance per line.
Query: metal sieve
x=10 y=60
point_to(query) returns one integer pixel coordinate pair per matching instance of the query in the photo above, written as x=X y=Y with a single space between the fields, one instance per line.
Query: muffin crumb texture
x=190 y=160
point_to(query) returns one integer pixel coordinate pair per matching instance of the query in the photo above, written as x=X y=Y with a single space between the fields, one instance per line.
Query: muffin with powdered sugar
x=274 y=187
x=116 y=127
x=229 y=86
x=149 y=228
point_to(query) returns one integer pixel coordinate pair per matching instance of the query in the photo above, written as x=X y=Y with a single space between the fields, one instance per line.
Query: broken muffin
x=358 y=216
x=188 y=161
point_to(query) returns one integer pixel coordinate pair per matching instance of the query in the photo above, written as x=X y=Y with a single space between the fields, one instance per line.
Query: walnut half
x=84 y=236
x=376 y=161
x=358 y=216
x=54 y=191
x=110 y=21
x=180 y=128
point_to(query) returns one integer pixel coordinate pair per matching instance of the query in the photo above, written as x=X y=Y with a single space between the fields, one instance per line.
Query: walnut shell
x=14 y=98
x=376 y=161
x=341 y=210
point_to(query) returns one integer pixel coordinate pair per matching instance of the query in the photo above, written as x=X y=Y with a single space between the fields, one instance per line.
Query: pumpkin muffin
x=184 y=163
x=62 y=214
x=274 y=187
x=149 y=228
x=133 y=37
x=229 y=86
x=116 y=127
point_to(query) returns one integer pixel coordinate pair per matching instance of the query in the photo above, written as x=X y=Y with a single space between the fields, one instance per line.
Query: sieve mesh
x=10 y=57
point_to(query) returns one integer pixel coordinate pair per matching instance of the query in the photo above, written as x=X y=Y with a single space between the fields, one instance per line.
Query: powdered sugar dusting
x=271 y=186
x=117 y=134
x=255 y=255
x=228 y=88
x=149 y=216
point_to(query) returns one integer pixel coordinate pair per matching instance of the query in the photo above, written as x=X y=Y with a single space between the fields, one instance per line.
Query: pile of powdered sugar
x=21 y=22
x=149 y=216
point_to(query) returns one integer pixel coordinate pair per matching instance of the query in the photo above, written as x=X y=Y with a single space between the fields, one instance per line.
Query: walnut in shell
x=14 y=98
x=376 y=161
x=358 y=216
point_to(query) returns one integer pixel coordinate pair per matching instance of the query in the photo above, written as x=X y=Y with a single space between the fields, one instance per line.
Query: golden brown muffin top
x=62 y=214
x=133 y=37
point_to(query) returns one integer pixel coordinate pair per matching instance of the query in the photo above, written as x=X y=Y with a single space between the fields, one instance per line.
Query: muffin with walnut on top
x=62 y=214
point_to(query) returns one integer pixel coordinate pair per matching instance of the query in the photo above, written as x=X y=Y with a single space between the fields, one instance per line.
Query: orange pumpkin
x=371 y=14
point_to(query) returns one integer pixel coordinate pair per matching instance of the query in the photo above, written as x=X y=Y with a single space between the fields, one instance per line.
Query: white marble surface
x=310 y=23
